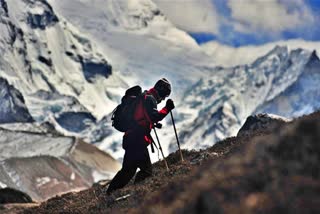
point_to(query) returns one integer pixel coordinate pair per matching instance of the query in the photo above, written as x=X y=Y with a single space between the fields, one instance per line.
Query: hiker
x=137 y=138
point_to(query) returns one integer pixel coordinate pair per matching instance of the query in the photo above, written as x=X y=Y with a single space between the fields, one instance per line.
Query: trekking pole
x=175 y=131
x=165 y=161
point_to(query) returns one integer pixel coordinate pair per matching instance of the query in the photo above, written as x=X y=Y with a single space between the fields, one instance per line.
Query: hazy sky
x=242 y=22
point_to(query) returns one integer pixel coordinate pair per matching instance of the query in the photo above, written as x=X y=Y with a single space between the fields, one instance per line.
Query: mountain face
x=142 y=44
x=282 y=82
x=43 y=165
x=42 y=52
x=72 y=60
x=301 y=97
x=12 y=104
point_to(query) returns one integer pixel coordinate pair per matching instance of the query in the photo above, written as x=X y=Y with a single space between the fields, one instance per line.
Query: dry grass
x=273 y=171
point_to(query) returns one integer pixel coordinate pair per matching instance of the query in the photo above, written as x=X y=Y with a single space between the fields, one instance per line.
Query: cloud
x=242 y=22
x=269 y=16
x=191 y=15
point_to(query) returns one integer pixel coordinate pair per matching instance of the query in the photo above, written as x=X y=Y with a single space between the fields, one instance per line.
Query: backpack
x=123 y=115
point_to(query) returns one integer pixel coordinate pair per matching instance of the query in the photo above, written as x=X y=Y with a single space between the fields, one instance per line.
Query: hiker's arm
x=154 y=114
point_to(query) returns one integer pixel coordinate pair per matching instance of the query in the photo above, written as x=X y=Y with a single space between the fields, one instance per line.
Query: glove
x=169 y=105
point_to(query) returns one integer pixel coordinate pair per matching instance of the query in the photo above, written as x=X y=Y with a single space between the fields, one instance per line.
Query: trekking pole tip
x=175 y=131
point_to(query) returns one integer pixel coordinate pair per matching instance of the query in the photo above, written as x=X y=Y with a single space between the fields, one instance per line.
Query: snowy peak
x=279 y=52
x=313 y=63
x=277 y=70
x=275 y=83
x=302 y=96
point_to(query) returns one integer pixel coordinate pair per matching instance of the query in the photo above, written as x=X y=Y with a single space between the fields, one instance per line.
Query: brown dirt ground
x=269 y=171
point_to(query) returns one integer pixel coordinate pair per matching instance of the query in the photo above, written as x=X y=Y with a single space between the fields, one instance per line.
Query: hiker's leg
x=123 y=177
x=145 y=167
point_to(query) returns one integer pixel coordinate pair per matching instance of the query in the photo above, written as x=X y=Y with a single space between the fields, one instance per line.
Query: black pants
x=136 y=156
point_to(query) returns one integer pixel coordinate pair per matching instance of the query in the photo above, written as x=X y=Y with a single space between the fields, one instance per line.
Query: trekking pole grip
x=175 y=131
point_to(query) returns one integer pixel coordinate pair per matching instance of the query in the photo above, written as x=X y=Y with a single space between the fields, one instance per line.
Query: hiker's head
x=163 y=88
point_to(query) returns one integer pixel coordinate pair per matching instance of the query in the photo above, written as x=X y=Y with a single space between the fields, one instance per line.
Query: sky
x=245 y=22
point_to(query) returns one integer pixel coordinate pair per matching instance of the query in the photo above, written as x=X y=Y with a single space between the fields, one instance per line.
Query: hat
x=163 y=87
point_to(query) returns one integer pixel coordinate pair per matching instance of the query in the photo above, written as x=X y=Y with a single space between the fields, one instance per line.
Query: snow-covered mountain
x=43 y=52
x=72 y=60
x=227 y=56
x=302 y=96
x=139 y=40
x=49 y=49
x=282 y=82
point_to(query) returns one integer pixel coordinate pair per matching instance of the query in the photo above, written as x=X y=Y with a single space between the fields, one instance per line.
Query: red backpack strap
x=146 y=113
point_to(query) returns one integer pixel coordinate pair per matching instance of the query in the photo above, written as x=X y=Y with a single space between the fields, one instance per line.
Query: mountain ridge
x=229 y=93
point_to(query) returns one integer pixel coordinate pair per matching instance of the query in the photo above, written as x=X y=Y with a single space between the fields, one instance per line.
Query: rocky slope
x=272 y=170
x=12 y=105
x=44 y=165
